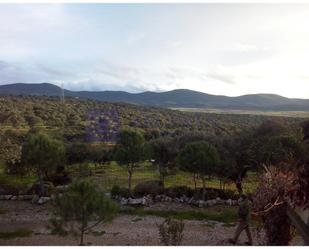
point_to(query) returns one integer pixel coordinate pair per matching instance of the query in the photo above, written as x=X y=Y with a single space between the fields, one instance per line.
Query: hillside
x=23 y=112
x=175 y=98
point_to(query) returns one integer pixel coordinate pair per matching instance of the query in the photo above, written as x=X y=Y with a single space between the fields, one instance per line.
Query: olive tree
x=200 y=157
x=130 y=150
x=164 y=152
x=10 y=151
x=81 y=208
x=42 y=154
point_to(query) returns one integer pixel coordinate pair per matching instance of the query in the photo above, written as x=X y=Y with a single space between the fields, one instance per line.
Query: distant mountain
x=175 y=98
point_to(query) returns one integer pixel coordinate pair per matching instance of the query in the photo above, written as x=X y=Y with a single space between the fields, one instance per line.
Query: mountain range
x=179 y=98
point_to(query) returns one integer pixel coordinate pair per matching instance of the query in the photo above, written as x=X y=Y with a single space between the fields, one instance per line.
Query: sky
x=224 y=49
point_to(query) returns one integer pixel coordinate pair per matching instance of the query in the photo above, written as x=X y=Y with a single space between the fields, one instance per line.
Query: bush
x=179 y=191
x=213 y=193
x=82 y=207
x=152 y=187
x=229 y=194
x=171 y=232
x=119 y=191
x=36 y=188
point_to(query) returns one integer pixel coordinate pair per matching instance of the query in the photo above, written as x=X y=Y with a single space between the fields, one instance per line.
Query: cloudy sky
x=229 y=49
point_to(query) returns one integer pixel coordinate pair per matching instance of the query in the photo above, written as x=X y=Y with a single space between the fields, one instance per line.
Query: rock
x=158 y=198
x=25 y=197
x=14 y=198
x=168 y=199
x=147 y=200
x=201 y=203
x=220 y=202
x=137 y=201
x=185 y=198
x=62 y=188
x=234 y=202
x=211 y=203
x=229 y=202
x=48 y=188
x=43 y=200
x=35 y=199
x=8 y=197
x=123 y=201
x=152 y=187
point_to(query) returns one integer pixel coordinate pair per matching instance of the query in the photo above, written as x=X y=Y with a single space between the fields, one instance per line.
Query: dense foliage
x=71 y=120
x=81 y=208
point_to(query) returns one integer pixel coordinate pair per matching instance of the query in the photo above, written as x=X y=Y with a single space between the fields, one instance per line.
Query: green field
x=112 y=174
x=294 y=114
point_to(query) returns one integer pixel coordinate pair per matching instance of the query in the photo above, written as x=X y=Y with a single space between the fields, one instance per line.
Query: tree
x=42 y=154
x=199 y=157
x=129 y=151
x=77 y=153
x=235 y=161
x=164 y=153
x=276 y=150
x=10 y=151
x=81 y=208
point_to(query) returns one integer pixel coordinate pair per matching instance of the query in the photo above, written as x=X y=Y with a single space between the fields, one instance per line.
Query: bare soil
x=123 y=230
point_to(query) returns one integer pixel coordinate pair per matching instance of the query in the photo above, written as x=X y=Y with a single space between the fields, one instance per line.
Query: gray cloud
x=227 y=78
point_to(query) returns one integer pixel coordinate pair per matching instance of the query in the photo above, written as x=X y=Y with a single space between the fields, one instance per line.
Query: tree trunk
x=204 y=188
x=161 y=171
x=194 y=179
x=82 y=237
x=238 y=184
x=41 y=181
x=130 y=172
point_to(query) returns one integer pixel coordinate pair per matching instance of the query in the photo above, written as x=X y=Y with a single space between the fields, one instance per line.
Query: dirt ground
x=124 y=229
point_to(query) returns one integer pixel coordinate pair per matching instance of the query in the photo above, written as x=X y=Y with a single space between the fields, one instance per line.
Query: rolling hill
x=176 y=98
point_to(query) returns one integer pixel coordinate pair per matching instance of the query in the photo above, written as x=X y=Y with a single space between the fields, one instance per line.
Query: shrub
x=81 y=208
x=119 y=191
x=171 y=232
x=152 y=187
x=179 y=191
x=21 y=232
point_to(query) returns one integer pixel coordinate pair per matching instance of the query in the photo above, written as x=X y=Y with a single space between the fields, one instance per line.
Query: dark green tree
x=81 y=208
x=43 y=154
x=77 y=153
x=129 y=151
x=164 y=152
x=199 y=157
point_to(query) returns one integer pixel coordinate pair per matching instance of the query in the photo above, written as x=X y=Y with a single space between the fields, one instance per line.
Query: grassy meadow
x=111 y=174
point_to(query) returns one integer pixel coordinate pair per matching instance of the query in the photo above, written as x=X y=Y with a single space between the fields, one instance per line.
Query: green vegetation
x=112 y=174
x=295 y=114
x=222 y=214
x=46 y=140
x=130 y=150
x=43 y=154
x=21 y=232
x=199 y=158
x=69 y=122
x=81 y=208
